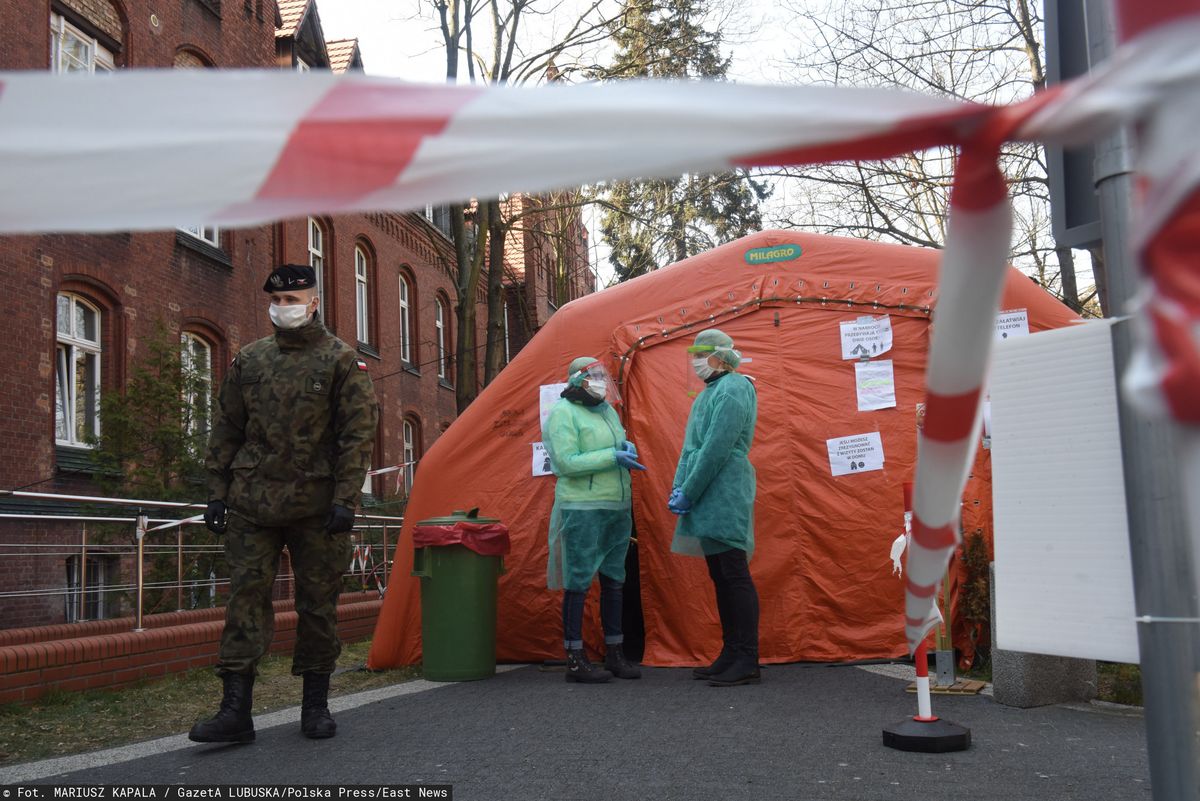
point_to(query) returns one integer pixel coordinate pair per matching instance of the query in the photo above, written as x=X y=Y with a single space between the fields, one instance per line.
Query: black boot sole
x=240 y=737
x=755 y=679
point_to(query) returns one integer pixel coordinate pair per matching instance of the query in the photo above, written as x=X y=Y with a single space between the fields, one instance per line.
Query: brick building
x=76 y=308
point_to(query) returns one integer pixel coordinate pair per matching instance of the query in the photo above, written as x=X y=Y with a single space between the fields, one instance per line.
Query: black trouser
x=737 y=601
x=610 y=614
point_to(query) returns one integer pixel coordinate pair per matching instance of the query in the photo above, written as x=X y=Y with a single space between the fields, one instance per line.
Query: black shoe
x=233 y=722
x=616 y=663
x=315 y=721
x=581 y=670
x=719 y=665
x=744 y=670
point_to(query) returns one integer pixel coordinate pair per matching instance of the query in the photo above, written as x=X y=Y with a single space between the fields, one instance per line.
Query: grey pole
x=1164 y=587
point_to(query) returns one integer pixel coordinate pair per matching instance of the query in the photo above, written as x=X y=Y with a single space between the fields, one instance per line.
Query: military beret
x=287 y=277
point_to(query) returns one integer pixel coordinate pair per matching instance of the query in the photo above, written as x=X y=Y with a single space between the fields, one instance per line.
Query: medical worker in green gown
x=591 y=521
x=713 y=496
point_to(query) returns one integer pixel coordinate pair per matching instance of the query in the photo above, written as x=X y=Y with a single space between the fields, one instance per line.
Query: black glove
x=214 y=517
x=340 y=520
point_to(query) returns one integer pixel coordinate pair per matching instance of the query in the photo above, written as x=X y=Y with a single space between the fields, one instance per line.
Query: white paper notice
x=541 y=460
x=875 y=384
x=1013 y=323
x=855 y=454
x=548 y=395
x=866 y=336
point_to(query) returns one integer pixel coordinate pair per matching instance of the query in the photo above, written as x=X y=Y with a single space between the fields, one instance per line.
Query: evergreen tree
x=649 y=224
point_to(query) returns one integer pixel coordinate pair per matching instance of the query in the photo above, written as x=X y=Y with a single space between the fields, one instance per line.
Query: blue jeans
x=610 y=614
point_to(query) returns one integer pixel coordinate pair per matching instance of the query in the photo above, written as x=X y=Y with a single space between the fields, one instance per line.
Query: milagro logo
x=775 y=253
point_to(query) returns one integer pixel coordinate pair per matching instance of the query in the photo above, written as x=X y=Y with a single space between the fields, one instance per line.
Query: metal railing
x=363 y=559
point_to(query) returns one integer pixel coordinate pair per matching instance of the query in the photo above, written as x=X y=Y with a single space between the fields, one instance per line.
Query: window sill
x=411 y=370
x=205 y=249
x=367 y=349
x=444 y=384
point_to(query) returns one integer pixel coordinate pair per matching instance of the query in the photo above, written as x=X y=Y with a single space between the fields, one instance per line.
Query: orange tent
x=821 y=564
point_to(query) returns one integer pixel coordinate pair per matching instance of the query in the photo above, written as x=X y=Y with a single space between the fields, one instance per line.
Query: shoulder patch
x=360 y=364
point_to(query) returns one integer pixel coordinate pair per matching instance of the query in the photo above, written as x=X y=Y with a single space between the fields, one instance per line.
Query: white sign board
x=1011 y=324
x=541 y=460
x=548 y=395
x=875 y=384
x=866 y=336
x=1064 y=585
x=855 y=454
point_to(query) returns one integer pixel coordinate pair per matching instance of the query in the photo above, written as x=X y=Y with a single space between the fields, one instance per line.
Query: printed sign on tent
x=548 y=395
x=541 y=460
x=858 y=453
x=875 y=384
x=866 y=337
x=1013 y=323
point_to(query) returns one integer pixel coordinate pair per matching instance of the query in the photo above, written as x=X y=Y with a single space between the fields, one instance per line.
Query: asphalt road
x=807 y=732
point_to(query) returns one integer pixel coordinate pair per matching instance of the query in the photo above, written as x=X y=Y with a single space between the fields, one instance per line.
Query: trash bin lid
x=458 y=516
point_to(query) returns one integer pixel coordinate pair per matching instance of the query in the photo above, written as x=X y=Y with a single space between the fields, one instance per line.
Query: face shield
x=595 y=381
x=705 y=361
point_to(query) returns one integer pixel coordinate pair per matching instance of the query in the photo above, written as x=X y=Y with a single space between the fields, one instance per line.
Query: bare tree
x=527 y=40
x=985 y=51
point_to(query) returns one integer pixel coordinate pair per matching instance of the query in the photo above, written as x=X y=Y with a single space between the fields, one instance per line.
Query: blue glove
x=626 y=459
x=630 y=448
x=678 y=504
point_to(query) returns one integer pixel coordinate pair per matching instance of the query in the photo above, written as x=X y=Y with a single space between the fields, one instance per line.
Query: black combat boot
x=232 y=723
x=315 y=721
x=581 y=670
x=616 y=663
x=743 y=670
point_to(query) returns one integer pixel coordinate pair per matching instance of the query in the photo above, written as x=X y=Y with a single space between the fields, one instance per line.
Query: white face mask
x=596 y=388
x=702 y=368
x=292 y=316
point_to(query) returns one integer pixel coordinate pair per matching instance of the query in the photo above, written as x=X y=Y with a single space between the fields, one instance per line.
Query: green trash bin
x=459 y=559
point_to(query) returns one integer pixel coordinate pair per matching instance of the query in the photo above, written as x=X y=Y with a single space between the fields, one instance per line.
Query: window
x=316 y=258
x=302 y=65
x=362 y=294
x=72 y=50
x=205 y=233
x=439 y=216
x=405 y=321
x=77 y=372
x=94 y=583
x=506 y=356
x=440 y=324
x=195 y=365
x=410 y=454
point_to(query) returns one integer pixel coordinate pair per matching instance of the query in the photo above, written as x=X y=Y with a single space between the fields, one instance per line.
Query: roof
x=291 y=13
x=341 y=54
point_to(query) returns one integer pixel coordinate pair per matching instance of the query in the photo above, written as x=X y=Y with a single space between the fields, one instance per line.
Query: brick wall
x=108 y=654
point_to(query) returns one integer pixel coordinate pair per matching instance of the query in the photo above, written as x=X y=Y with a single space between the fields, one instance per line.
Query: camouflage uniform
x=292 y=436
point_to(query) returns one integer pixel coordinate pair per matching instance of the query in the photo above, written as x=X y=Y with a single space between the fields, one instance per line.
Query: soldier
x=289 y=449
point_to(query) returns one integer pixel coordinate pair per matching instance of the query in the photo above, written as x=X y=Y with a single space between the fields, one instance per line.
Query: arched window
x=362 y=294
x=74 y=50
x=77 y=372
x=442 y=339
x=412 y=442
x=195 y=366
x=316 y=258
x=406 y=320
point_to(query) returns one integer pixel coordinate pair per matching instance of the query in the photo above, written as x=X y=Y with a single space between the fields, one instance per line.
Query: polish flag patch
x=361 y=364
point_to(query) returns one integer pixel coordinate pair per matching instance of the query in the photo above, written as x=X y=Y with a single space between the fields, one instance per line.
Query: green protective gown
x=714 y=470
x=591 y=520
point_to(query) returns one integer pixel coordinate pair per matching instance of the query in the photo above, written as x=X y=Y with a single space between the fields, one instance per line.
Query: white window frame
x=506 y=355
x=97 y=57
x=410 y=454
x=205 y=233
x=69 y=345
x=197 y=400
x=316 y=258
x=439 y=322
x=362 y=294
x=405 y=320
x=302 y=65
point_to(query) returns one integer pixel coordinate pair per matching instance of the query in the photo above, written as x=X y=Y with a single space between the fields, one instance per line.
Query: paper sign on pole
x=866 y=336
x=858 y=453
x=875 y=384
x=541 y=460
x=1013 y=323
x=548 y=395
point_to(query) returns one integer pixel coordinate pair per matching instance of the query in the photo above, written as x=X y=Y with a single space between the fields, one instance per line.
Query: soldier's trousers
x=318 y=563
